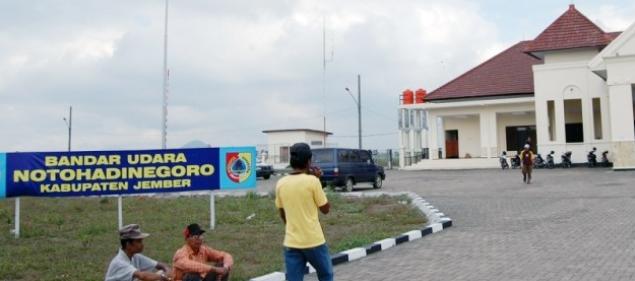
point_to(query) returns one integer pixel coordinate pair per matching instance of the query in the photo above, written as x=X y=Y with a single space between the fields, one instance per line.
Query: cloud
x=236 y=67
x=613 y=18
x=89 y=47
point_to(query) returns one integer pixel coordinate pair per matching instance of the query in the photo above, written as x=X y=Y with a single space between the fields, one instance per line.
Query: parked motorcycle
x=605 y=159
x=516 y=161
x=503 y=160
x=566 y=159
x=591 y=158
x=539 y=162
x=550 y=162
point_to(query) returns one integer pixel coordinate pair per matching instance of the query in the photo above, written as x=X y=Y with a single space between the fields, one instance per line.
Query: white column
x=588 y=126
x=412 y=140
x=403 y=137
x=622 y=131
x=402 y=148
x=621 y=110
x=488 y=133
x=424 y=132
x=417 y=130
x=558 y=105
x=433 y=143
x=606 y=118
x=542 y=122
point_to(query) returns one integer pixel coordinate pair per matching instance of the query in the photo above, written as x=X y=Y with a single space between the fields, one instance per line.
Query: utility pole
x=359 y=110
x=164 y=116
x=324 y=80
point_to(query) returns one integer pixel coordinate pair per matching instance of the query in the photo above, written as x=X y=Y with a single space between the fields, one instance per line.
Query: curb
x=437 y=221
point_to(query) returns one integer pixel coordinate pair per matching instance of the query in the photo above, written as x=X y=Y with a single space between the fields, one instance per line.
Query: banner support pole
x=16 y=221
x=120 y=211
x=212 y=211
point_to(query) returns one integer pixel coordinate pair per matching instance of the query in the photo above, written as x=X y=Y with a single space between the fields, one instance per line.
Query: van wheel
x=378 y=182
x=349 y=185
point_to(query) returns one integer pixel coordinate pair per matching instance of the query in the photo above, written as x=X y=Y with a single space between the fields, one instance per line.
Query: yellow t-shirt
x=300 y=196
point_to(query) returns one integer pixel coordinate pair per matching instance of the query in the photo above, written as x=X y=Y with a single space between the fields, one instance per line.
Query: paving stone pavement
x=573 y=224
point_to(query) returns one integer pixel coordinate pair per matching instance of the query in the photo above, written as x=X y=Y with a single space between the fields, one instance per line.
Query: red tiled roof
x=508 y=73
x=571 y=30
x=613 y=35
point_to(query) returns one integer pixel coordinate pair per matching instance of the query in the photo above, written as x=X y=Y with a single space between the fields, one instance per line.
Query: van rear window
x=323 y=156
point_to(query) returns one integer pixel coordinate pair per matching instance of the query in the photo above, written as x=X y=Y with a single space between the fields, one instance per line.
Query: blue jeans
x=295 y=262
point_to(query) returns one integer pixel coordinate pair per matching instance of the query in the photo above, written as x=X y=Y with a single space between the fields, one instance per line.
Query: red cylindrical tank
x=420 y=96
x=408 y=97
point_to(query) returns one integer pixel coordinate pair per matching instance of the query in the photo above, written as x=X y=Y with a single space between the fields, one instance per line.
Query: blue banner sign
x=91 y=173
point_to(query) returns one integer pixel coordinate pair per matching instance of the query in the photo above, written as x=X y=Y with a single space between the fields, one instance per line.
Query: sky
x=240 y=67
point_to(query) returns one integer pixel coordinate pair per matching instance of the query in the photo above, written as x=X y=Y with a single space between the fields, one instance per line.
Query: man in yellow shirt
x=298 y=198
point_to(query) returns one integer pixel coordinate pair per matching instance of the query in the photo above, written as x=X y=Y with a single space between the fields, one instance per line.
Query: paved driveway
x=575 y=224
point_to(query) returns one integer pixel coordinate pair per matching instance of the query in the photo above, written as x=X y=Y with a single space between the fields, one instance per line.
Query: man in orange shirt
x=197 y=262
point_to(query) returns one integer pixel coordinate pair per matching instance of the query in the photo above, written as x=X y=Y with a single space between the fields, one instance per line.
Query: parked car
x=264 y=170
x=344 y=167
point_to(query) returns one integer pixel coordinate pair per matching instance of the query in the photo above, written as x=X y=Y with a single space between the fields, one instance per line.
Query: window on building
x=412 y=119
x=597 y=118
x=517 y=136
x=574 y=129
x=551 y=114
x=424 y=120
x=284 y=154
x=316 y=143
x=404 y=119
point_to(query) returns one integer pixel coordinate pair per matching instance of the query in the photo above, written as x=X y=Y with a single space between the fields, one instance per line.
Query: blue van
x=343 y=167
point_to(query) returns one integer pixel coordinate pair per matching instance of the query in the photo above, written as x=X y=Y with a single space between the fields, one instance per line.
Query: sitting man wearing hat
x=197 y=262
x=129 y=264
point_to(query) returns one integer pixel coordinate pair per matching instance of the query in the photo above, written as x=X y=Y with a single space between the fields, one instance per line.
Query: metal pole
x=212 y=211
x=120 y=211
x=16 y=230
x=70 y=126
x=324 y=79
x=359 y=110
x=164 y=117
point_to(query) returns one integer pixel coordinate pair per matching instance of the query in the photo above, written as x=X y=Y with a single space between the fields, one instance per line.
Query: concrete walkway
x=575 y=224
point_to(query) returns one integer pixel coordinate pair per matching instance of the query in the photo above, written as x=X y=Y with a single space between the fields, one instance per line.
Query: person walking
x=527 y=163
x=299 y=196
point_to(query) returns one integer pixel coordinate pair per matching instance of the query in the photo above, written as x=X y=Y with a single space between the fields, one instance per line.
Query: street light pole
x=69 y=124
x=358 y=102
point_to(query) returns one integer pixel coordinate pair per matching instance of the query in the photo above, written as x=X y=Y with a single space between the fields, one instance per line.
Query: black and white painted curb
x=437 y=221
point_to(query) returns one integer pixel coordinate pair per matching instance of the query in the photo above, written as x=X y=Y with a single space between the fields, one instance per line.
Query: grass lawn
x=75 y=238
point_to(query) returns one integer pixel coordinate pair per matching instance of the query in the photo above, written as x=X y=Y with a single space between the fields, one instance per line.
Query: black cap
x=193 y=229
x=300 y=155
x=301 y=150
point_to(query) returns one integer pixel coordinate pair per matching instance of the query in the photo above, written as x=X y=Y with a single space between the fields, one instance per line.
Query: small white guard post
x=212 y=211
x=120 y=211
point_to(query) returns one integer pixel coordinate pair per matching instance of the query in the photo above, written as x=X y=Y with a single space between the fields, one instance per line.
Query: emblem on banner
x=238 y=166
